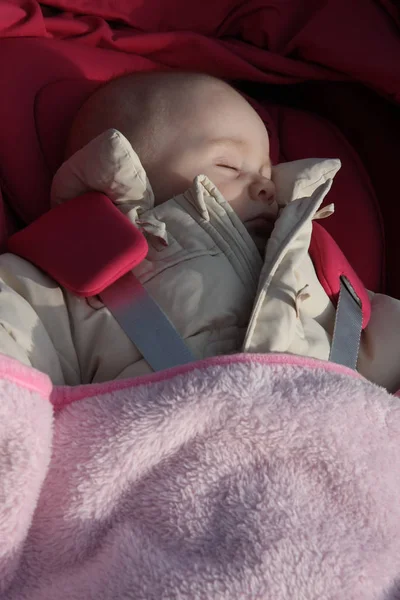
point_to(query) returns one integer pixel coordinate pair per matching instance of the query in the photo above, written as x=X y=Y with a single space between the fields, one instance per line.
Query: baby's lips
x=262 y=222
x=273 y=207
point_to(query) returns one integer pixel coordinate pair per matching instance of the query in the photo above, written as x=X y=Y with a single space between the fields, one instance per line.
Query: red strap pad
x=85 y=244
x=330 y=263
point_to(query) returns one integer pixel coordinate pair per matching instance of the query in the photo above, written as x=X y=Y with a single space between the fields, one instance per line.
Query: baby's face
x=224 y=138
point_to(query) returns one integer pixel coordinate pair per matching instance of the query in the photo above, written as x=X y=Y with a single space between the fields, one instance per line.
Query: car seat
x=36 y=113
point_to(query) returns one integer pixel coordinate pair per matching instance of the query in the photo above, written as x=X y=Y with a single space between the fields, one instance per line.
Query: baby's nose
x=262 y=189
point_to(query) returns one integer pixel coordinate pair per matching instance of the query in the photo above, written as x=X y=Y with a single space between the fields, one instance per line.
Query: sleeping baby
x=186 y=160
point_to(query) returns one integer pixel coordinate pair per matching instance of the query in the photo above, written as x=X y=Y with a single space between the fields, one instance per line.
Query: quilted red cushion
x=64 y=244
x=330 y=264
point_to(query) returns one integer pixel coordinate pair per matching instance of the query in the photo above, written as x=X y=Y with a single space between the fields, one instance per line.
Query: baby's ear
x=107 y=164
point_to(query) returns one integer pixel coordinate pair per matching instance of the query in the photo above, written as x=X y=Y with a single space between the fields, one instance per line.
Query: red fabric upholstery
x=36 y=113
x=24 y=172
x=3 y=223
x=254 y=40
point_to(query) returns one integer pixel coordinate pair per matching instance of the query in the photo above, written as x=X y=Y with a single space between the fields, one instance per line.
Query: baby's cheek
x=233 y=193
x=224 y=187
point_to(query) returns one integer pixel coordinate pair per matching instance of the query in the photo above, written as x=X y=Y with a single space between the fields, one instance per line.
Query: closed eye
x=230 y=167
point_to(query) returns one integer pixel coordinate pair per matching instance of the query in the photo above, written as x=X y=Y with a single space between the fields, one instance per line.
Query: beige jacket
x=202 y=268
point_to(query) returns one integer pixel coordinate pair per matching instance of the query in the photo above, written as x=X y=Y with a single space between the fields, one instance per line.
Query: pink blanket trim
x=26 y=377
x=62 y=396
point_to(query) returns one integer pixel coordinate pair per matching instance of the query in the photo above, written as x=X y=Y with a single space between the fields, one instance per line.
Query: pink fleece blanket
x=266 y=477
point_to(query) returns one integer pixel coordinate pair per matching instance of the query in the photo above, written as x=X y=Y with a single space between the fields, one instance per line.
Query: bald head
x=142 y=106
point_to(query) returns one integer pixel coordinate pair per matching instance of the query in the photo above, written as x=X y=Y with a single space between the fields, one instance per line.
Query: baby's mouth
x=261 y=225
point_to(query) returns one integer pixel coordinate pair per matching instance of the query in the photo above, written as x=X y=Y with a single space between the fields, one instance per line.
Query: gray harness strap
x=149 y=328
x=145 y=324
x=348 y=326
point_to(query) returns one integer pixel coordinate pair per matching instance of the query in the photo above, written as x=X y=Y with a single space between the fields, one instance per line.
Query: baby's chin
x=260 y=243
x=260 y=235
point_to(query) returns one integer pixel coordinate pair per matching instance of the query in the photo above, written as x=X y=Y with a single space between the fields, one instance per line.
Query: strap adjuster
x=348 y=326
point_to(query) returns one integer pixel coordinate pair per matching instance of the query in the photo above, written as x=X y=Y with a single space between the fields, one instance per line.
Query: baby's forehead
x=164 y=102
x=239 y=126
